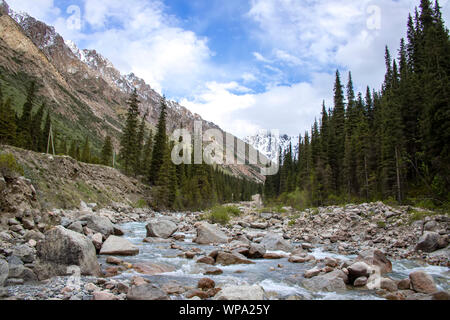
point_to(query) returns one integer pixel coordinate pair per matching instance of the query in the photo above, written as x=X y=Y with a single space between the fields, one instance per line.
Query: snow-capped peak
x=269 y=143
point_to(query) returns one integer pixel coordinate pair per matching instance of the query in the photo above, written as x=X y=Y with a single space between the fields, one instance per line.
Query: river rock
x=104 y=296
x=63 y=248
x=272 y=241
x=357 y=270
x=116 y=246
x=4 y=271
x=209 y=234
x=404 y=284
x=206 y=260
x=98 y=224
x=206 y=284
x=242 y=292
x=256 y=251
x=25 y=252
x=161 y=228
x=76 y=226
x=360 y=282
x=331 y=282
x=259 y=225
x=150 y=269
x=225 y=258
x=429 y=242
x=376 y=258
x=146 y=291
x=388 y=284
x=422 y=282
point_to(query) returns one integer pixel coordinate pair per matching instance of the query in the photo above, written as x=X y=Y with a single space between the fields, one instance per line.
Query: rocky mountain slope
x=86 y=93
x=62 y=182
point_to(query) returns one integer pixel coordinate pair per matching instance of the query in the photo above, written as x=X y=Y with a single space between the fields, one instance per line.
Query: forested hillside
x=387 y=144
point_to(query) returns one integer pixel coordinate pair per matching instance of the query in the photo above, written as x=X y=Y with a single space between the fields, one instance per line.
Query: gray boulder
x=118 y=247
x=256 y=251
x=242 y=292
x=146 y=292
x=422 y=282
x=330 y=282
x=429 y=242
x=63 y=248
x=161 y=228
x=208 y=234
x=98 y=224
x=276 y=242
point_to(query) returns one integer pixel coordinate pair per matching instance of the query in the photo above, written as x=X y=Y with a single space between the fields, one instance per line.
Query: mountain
x=268 y=143
x=86 y=94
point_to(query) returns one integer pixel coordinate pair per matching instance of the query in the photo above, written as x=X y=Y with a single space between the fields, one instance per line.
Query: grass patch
x=9 y=167
x=140 y=204
x=222 y=214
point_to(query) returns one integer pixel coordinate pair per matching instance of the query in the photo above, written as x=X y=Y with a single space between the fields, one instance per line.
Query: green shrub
x=381 y=224
x=9 y=167
x=233 y=210
x=140 y=204
x=219 y=215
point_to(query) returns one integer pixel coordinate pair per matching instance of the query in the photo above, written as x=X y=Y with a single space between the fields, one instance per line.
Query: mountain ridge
x=82 y=85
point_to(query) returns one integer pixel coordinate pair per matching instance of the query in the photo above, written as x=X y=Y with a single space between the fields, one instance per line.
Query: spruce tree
x=128 y=143
x=7 y=123
x=159 y=147
x=107 y=152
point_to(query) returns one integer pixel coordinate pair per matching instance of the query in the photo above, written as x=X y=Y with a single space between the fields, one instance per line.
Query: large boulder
x=256 y=251
x=429 y=242
x=208 y=234
x=161 y=228
x=276 y=242
x=422 y=282
x=4 y=271
x=376 y=259
x=242 y=292
x=63 y=248
x=225 y=258
x=116 y=246
x=331 y=282
x=98 y=224
x=146 y=292
x=357 y=270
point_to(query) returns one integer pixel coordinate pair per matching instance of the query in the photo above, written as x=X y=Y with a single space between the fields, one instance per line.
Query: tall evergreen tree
x=128 y=143
x=160 y=145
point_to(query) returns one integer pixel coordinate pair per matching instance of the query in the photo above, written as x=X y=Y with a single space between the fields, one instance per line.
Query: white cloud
x=40 y=9
x=291 y=109
x=258 y=56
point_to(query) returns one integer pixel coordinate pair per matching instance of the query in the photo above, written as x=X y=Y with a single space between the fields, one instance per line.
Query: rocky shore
x=81 y=254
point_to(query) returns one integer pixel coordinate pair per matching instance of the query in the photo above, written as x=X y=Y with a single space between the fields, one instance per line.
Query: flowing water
x=279 y=283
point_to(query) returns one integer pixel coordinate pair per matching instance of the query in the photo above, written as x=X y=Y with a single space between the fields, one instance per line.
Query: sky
x=246 y=65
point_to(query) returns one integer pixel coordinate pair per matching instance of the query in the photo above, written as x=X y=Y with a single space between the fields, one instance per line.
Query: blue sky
x=246 y=65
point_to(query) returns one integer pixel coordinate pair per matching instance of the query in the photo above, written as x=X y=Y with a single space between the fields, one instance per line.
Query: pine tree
x=25 y=122
x=86 y=151
x=138 y=167
x=129 y=149
x=7 y=123
x=160 y=146
x=107 y=152
x=35 y=130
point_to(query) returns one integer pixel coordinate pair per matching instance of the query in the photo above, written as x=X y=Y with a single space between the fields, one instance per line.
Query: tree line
x=142 y=154
x=390 y=144
x=184 y=186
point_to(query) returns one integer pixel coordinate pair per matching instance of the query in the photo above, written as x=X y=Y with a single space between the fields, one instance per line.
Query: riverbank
x=368 y=251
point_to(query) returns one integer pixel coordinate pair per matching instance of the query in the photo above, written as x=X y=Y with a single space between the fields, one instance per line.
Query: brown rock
x=197 y=293
x=404 y=284
x=213 y=271
x=206 y=260
x=103 y=295
x=206 y=283
x=150 y=269
x=422 y=282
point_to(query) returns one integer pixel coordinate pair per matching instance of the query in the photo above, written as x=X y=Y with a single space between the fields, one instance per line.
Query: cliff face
x=83 y=88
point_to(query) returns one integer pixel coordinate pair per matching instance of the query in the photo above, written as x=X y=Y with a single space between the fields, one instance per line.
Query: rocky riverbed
x=367 y=251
